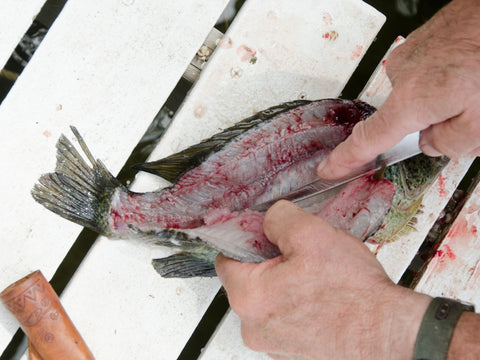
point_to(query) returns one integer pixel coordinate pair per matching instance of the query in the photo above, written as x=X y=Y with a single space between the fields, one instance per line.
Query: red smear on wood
x=445 y=253
x=327 y=19
x=225 y=43
x=459 y=229
x=441 y=185
x=357 y=52
x=245 y=52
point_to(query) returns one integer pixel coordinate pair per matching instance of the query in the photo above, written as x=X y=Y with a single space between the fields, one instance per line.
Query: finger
x=278 y=223
x=369 y=138
x=455 y=137
x=242 y=280
x=294 y=230
x=475 y=152
x=279 y=357
x=231 y=271
x=414 y=104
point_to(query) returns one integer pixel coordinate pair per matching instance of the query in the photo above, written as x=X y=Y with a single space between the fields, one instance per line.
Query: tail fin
x=75 y=190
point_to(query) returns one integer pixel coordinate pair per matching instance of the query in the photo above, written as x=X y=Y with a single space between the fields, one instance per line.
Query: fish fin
x=76 y=191
x=184 y=265
x=175 y=166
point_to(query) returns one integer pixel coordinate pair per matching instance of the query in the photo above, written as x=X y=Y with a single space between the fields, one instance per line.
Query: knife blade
x=323 y=189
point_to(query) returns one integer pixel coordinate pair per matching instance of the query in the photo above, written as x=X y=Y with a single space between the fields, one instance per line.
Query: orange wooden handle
x=43 y=319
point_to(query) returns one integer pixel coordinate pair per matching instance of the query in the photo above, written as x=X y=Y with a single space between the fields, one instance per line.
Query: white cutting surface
x=106 y=67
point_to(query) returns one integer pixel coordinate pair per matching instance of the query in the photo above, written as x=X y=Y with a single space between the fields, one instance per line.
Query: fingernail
x=429 y=150
x=321 y=166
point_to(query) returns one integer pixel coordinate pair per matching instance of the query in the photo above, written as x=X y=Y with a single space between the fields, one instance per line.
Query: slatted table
x=107 y=68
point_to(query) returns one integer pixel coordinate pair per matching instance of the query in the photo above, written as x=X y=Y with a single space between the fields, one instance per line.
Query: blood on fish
x=216 y=182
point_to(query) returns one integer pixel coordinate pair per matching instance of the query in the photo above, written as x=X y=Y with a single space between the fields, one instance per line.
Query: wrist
x=403 y=316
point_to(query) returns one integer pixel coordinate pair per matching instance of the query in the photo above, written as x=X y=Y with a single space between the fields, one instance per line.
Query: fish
x=412 y=177
x=216 y=183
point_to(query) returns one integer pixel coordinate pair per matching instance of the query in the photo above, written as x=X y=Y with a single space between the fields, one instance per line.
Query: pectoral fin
x=184 y=265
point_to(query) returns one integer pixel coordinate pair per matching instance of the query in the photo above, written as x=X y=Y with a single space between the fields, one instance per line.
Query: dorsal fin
x=175 y=166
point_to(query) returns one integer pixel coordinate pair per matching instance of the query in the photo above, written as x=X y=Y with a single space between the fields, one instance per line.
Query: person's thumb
x=369 y=138
x=294 y=230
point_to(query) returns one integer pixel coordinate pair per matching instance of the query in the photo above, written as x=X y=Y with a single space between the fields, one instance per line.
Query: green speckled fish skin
x=412 y=177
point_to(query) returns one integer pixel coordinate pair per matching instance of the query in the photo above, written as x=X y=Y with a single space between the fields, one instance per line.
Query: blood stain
x=327 y=18
x=246 y=53
x=357 y=52
x=445 y=253
x=441 y=185
x=226 y=42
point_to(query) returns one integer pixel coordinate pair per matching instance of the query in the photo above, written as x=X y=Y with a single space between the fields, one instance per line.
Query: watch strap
x=437 y=327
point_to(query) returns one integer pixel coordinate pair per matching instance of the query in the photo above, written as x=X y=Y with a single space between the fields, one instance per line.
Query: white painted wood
x=16 y=16
x=455 y=270
x=116 y=281
x=106 y=67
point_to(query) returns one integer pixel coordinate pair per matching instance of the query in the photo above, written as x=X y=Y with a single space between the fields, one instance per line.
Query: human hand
x=325 y=297
x=436 y=89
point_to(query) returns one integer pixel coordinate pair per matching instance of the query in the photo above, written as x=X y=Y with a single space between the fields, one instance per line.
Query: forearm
x=465 y=342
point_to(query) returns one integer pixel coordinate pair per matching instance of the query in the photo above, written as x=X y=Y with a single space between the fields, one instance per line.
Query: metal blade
x=322 y=189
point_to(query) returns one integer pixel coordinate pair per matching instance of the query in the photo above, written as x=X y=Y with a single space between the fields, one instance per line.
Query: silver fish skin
x=256 y=160
x=358 y=209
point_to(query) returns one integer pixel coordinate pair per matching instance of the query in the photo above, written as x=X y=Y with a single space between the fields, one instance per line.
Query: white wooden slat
x=106 y=67
x=16 y=16
x=455 y=270
x=289 y=59
x=395 y=257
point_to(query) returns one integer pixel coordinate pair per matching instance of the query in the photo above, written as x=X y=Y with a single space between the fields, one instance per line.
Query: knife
x=322 y=189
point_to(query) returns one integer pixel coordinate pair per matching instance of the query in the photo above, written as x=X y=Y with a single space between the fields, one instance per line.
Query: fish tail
x=76 y=191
